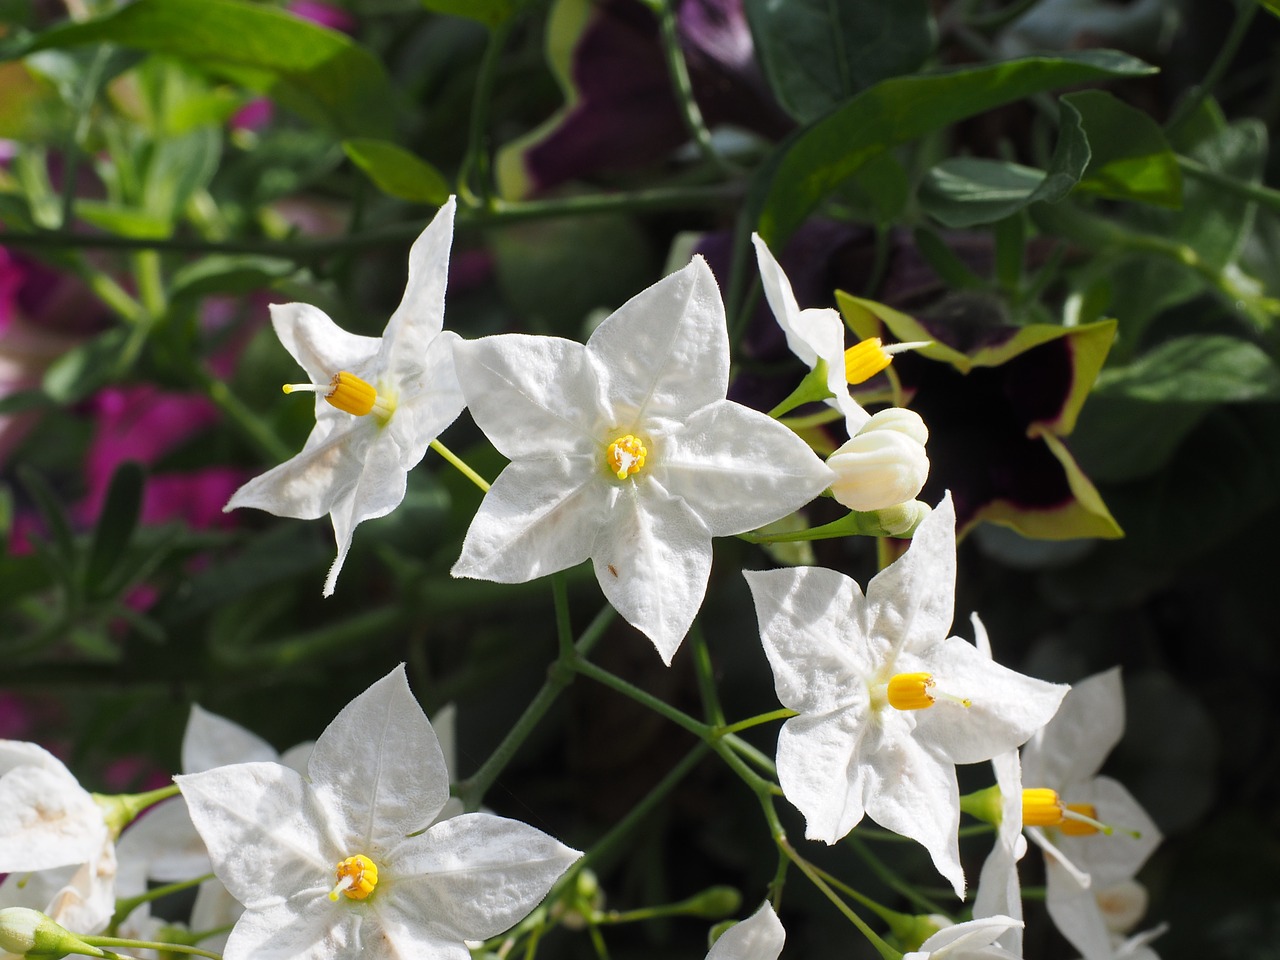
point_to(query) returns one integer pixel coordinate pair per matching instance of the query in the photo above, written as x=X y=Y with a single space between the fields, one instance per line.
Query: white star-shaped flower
x=888 y=703
x=380 y=401
x=626 y=451
x=971 y=940
x=814 y=335
x=347 y=862
x=1065 y=758
x=46 y=818
x=759 y=937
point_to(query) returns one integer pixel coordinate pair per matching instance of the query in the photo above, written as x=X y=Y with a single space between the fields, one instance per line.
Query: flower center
x=357 y=876
x=868 y=357
x=349 y=394
x=911 y=691
x=625 y=456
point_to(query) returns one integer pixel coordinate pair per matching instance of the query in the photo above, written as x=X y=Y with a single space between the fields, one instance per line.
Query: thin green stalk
x=472 y=790
x=460 y=465
x=809 y=871
x=148 y=945
x=150 y=280
x=891 y=917
x=705 y=673
x=1256 y=192
x=249 y=423
x=678 y=70
x=564 y=628
x=110 y=293
x=72 y=153
x=474 y=167
x=644 y=698
x=128 y=905
x=891 y=878
x=751 y=753
x=1245 y=12
x=747 y=724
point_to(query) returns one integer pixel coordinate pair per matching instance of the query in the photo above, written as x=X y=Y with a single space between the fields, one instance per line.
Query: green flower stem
x=706 y=676
x=678 y=717
x=474 y=167
x=1265 y=196
x=890 y=878
x=749 y=752
x=149 y=945
x=121 y=809
x=679 y=73
x=79 y=133
x=110 y=293
x=1245 y=12
x=128 y=905
x=150 y=280
x=307 y=250
x=472 y=790
x=896 y=921
x=816 y=879
x=782 y=714
x=821 y=418
x=564 y=628
x=460 y=465
x=811 y=389
x=301 y=648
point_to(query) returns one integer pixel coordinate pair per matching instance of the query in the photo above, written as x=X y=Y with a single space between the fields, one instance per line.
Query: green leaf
x=228 y=273
x=397 y=172
x=317 y=72
x=966 y=191
x=817 y=54
x=901 y=109
x=489 y=12
x=1131 y=157
x=85 y=368
x=177 y=167
x=116 y=524
x=1199 y=368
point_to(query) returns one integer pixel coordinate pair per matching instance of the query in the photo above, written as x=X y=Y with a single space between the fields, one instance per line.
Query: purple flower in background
x=621 y=112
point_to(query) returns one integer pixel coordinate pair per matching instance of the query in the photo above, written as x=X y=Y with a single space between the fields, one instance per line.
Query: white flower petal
x=665 y=352
x=398 y=937
x=971 y=940
x=431 y=399
x=213 y=741
x=46 y=818
x=359 y=772
x=653 y=559
x=420 y=316
x=1109 y=859
x=1074 y=910
x=1085 y=729
x=813 y=635
x=539 y=516
x=999 y=892
x=535 y=397
x=377 y=488
x=915 y=795
x=913 y=599
x=320 y=346
x=474 y=875
x=215 y=908
x=739 y=469
x=163 y=842
x=759 y=937
x=822 y=771
x=1005 y=709
x=302 y=928
x=263 y=830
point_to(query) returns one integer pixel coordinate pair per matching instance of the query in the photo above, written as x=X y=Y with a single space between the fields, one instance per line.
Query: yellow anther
x=625 y=456
x=910 y=691
x=868 y=357
x=357 y=876
x=1041 y=807
x=1081 y=820
x=348 y=393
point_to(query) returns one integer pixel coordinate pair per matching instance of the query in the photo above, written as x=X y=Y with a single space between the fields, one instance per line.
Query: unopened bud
x=29 y=933
x=900 y=420
x=901 y=519
x=712 y=903
x=878 y=468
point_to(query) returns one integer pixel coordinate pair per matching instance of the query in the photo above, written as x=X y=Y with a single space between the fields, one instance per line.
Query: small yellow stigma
x=868 y=357
x=357 y=876
x=625 y=456
x=915 y=691
x=1041 y=807
x=348 y=393
x=1081 y=820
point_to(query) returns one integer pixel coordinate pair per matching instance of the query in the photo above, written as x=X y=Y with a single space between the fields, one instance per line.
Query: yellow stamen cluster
x=1041 y=807
x=348 y=393
x=357 y=876
x=625 y=456
x=910 y=691
x=865 y=359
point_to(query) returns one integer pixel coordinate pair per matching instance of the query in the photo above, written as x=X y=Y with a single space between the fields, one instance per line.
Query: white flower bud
x=24 y=931
x=900 y=419
x=1122 y=905
x=880 y=468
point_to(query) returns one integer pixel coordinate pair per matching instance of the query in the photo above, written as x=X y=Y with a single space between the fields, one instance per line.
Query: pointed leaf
x=397 y=172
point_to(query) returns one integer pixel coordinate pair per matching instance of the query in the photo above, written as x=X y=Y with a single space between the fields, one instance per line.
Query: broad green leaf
x=397 y=172
x=228 y=273
x=116 y=524
x=1200 y=368
x=965 y=191
x=317 y=72
x=817 y=54
x=489 y=12
x=878 y=192
x=125 y=221
x=904 y=108
x=1131 y=159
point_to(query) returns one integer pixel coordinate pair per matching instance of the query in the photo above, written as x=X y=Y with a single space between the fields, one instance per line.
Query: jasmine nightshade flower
x=888 y=704
x=346 y=861
x=759 y=937
x=971 y=940
x=46 y=818
x=379 y=402
x=626 y=451
x=1081 y=859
